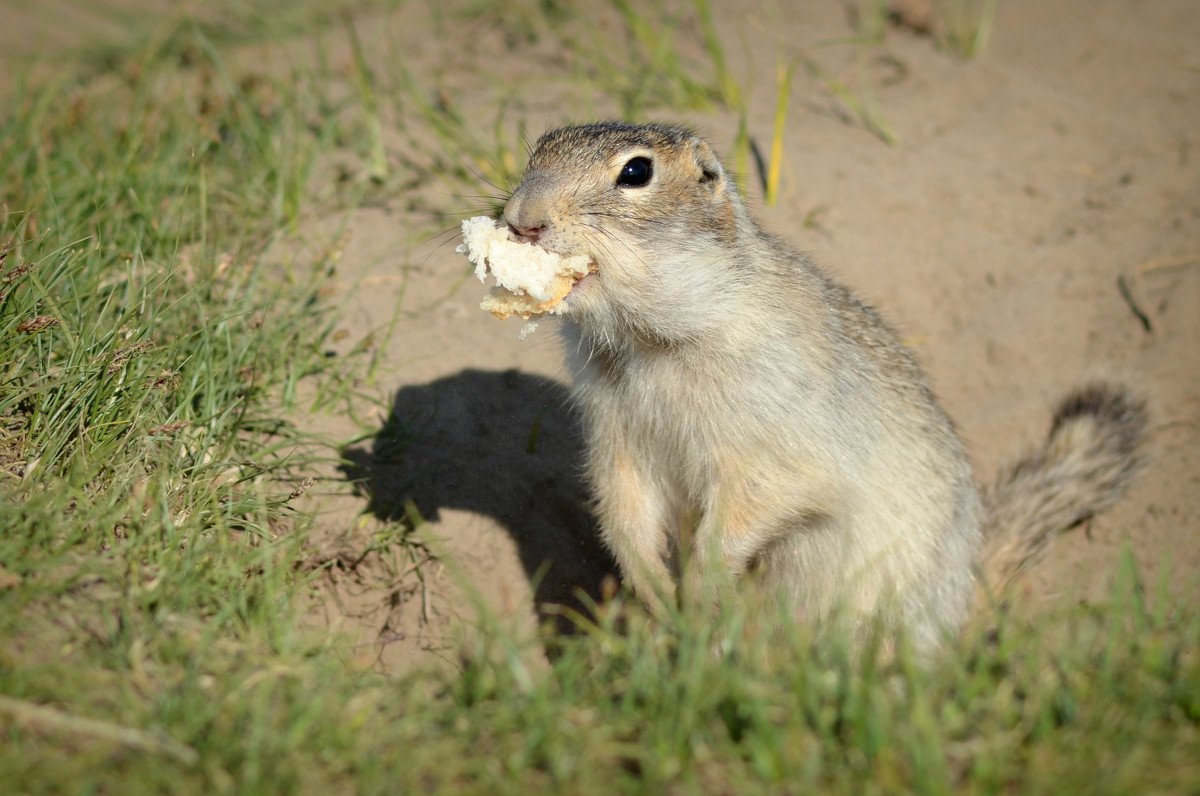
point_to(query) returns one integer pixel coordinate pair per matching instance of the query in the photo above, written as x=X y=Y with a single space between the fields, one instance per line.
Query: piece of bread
x=530 y=280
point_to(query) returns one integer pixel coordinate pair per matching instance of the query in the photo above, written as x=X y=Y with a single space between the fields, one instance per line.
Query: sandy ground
x=1025 y=184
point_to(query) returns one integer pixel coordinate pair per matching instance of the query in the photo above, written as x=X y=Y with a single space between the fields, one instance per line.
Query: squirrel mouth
x=591 y=277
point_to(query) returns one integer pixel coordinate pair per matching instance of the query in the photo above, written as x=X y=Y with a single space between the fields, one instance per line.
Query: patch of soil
x=1026 y=184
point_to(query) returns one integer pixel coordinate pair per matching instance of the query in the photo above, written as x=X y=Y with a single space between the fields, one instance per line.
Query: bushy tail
x=1084 y=467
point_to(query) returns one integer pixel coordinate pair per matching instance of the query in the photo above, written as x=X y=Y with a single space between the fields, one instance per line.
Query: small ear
x=707 y=163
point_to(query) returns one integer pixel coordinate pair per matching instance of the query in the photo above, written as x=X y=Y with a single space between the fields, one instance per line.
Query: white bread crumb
x=530 y=281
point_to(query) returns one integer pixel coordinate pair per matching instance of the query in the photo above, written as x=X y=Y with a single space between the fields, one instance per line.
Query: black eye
x=636 y=173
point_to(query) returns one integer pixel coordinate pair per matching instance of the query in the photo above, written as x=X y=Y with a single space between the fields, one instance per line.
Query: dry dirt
x=1025 y=184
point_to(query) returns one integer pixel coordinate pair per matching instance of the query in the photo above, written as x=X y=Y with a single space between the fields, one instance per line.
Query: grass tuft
x=965 y=26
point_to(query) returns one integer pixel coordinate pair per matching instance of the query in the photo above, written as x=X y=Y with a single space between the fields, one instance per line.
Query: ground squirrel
x=746 y=414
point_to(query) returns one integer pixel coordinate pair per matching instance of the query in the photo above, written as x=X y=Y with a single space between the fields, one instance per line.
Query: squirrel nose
x=528 y=209
x=527 y=234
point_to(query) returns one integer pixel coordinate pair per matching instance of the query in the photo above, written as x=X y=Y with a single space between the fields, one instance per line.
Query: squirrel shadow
x=503 y=444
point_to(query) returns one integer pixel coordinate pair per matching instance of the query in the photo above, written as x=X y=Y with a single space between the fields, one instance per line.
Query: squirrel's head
x=651 y=205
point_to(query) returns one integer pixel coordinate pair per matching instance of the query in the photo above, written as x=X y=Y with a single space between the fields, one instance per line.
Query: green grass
x=156 y=328
x=966 y=25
